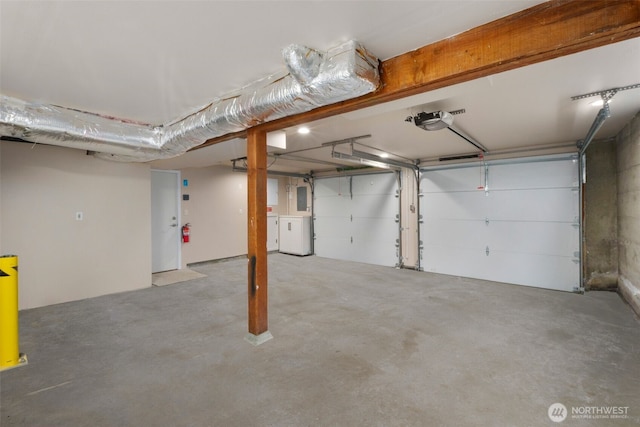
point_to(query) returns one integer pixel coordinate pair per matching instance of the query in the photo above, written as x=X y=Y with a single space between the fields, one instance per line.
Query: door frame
x=178 y=209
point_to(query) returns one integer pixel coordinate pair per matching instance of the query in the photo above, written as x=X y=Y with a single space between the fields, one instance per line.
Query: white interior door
x=514 y=222
x=165 y=220
x=355 y=218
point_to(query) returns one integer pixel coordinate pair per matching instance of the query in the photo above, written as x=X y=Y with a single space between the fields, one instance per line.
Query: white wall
x=288 y=196
x=217 y=212
x=62 y=259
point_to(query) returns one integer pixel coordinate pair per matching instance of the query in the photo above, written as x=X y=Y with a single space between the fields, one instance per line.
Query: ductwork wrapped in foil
x=61 y=126
x=314 y=80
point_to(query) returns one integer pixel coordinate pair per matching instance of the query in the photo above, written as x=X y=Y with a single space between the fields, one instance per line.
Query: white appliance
x=272 y=232
x=295 y=234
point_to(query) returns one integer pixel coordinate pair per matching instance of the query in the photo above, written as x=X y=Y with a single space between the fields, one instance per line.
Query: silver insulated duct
x=314 y=79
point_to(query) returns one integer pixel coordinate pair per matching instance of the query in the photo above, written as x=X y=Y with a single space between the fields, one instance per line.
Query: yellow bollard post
x=9 y=353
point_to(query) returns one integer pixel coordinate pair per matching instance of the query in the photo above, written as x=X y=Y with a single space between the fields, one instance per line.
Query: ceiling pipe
x=314 y=79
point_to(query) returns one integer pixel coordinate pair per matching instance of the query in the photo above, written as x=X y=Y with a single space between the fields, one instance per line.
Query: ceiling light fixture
x=303 y=130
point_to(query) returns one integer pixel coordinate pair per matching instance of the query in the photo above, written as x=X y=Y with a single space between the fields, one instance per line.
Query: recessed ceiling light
x=384 y=155
x=598 y=103
x=303 y=130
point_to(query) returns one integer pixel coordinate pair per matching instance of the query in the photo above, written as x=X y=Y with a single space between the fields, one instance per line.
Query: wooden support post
x=257 y=233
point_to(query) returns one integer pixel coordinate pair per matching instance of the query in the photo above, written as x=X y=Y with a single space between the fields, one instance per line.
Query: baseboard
x=630 y=293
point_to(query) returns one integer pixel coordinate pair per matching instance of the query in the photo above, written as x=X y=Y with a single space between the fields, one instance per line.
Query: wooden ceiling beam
x=540 y=33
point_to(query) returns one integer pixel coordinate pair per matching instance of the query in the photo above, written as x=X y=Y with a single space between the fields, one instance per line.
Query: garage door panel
x=333 y=247
x=378 y=229
x=551 y=204
x=384 y=183
x=360 y=224
x=548 y=174
x=462 y=179
x=378 y=206
x=332 y=187
x=454 y=260
x=533 y=238
x=330 y=206
x=456 y=205
x=453 y=233
x=381 y=254
x=524 y=230
x=331 y=227
x=540 y=271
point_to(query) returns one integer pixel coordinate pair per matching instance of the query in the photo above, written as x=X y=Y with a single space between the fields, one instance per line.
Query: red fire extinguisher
x=185 y=233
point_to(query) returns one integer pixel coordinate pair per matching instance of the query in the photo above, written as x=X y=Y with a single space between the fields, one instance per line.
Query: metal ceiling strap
x=603 y=115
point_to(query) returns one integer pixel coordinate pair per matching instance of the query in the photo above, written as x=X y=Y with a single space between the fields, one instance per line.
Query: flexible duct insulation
x=314 y=79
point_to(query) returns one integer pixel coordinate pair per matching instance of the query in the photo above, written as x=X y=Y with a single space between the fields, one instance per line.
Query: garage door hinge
x=486 y=221
x=398 y=218
x=351 y=239
x=487 y=251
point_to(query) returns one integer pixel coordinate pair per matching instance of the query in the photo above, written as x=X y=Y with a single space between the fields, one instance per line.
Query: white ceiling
x=155 y=61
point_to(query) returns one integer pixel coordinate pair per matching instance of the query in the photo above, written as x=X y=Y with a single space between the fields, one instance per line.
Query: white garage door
x=355 y=218
x=514 y=222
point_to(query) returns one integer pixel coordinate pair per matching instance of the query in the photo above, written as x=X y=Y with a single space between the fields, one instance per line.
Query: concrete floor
x=355 y=345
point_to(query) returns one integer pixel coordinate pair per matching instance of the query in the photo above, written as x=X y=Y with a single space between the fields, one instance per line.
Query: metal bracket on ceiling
x=606 y=94
x=603 y=114
x=235 y=168
x=344 y=141
x=366 y=157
